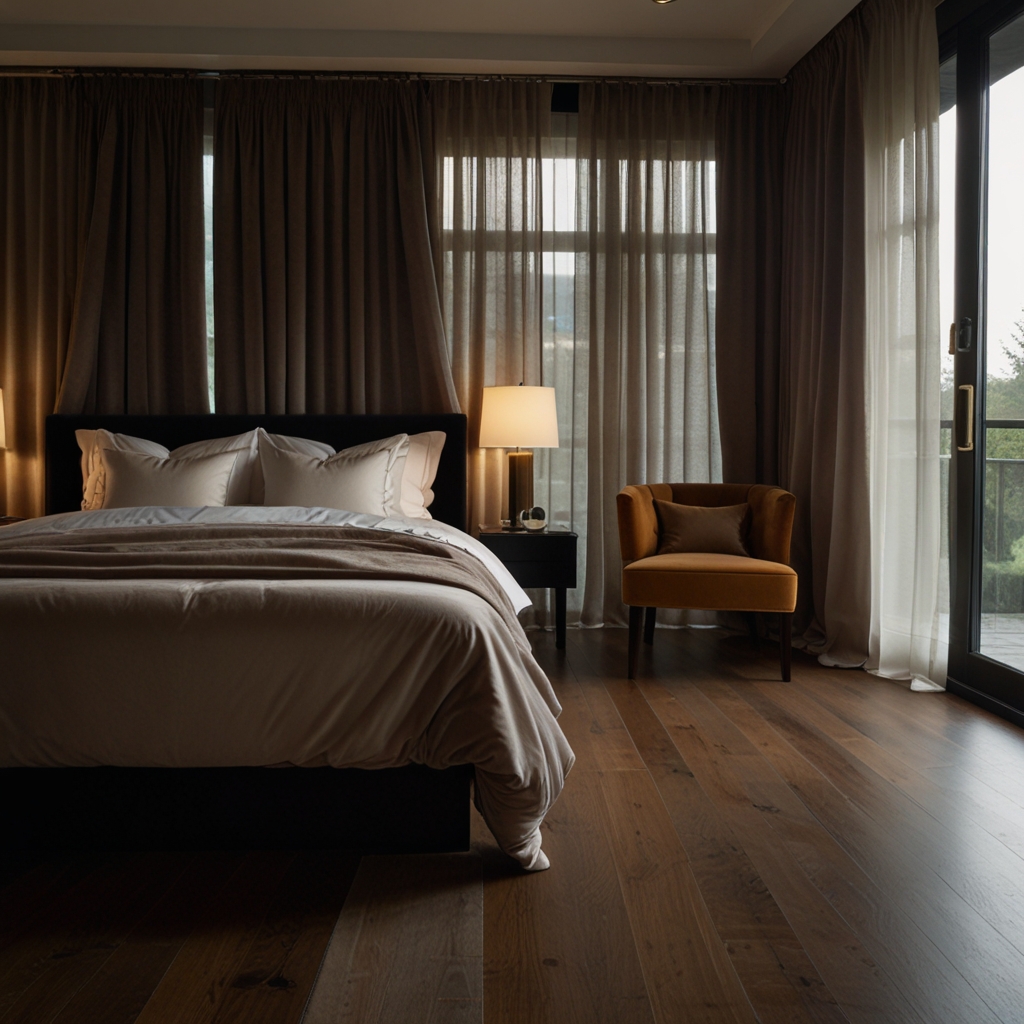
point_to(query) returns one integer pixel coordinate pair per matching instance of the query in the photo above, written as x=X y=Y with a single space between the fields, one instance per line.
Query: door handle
x=964 y=335
x=963 y=417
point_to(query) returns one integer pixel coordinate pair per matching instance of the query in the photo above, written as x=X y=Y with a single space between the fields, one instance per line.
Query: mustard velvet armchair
x=763 y=582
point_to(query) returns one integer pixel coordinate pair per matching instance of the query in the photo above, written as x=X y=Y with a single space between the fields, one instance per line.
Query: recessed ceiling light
x=663 y=1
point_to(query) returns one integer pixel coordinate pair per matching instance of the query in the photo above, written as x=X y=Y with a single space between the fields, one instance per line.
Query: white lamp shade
x=3 y=422
x=519 y=417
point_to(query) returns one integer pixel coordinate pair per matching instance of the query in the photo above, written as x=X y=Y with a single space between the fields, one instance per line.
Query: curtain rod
x=36 y=72
x=88 y=72
x=437 y=77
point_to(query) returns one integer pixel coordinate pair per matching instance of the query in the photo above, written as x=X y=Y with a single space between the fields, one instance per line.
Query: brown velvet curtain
x=751 y=125
x=138 y=334
x=101 y=258
x=38 y=268
x=326 y=259
x=823 y=451
x=793 y=283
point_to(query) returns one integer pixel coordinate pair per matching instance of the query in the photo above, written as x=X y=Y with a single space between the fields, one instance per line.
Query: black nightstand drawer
x=557 y=546
x=535 y=559
x=543 y=574
x=545 y=560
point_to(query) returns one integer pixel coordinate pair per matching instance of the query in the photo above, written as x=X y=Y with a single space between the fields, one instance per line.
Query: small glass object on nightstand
x=533 y=519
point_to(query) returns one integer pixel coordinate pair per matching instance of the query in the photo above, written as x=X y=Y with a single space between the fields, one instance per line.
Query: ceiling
x=686 y=38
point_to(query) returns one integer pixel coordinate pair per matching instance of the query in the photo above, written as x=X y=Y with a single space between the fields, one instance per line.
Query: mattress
x=275 y=636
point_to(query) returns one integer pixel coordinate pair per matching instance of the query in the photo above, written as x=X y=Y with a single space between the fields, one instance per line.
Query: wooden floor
x=728 y=848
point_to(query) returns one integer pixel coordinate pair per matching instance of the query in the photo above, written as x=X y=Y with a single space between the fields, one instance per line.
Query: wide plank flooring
x=728 y=849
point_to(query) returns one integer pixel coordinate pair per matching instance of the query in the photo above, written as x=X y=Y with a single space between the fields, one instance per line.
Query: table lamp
x=3 y=438
x=519 y=417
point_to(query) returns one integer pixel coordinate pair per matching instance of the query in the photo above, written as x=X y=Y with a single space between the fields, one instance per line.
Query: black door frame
x=980 y=679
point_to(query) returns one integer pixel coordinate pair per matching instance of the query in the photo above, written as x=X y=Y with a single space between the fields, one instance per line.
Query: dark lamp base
x=520 y=486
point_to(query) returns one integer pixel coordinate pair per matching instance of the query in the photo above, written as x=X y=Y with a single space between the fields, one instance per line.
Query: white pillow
x=240 y=485
x=420 y=470
x=133 y=480
x=366 y=478
x=299 y=445
x=242 y=479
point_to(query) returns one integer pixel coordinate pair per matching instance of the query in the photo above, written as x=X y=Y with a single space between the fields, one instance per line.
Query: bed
x=375 y=626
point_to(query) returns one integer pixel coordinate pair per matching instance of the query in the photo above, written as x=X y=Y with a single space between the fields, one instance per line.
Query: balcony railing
x=1003 y=521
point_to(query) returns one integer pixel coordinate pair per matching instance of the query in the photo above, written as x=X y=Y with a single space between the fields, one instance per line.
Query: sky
x=1005 y=299
x=1005 y=292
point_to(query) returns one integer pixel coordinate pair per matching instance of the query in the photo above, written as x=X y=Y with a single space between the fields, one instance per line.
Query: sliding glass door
x=982 y=139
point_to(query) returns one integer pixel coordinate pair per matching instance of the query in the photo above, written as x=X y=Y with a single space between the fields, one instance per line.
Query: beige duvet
x=218 y=637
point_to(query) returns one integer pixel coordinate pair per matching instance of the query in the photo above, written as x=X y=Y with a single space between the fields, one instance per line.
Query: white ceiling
x=687 y=38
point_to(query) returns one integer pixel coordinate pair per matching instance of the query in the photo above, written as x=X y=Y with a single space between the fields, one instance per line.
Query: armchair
x=763 y=582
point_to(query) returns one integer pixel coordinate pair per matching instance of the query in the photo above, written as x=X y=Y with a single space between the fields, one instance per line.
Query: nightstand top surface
x=551 y=531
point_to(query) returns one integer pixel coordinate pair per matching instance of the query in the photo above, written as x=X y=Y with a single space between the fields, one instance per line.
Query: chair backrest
x=771 y=525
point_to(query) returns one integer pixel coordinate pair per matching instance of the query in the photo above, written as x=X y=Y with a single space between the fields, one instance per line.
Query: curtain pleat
x=645 y=318
x=38 y=269
x=493 y=142
x=325 y=269
x=490 y=138
x=751 y=125
x=137 y=341
x=101 y=265
x=823 y=448
x=908 y=638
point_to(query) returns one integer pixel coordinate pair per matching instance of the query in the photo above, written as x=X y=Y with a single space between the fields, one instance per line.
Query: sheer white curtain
x=579 y=255
x=908 y=637
x=496 y=153
x=645 y=318
x=488 y=138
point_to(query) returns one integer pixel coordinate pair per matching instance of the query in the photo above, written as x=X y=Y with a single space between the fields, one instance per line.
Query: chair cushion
x=688 y=528
x=702 y=580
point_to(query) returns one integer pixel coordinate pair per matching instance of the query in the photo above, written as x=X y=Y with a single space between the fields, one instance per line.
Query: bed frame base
x=391 y=810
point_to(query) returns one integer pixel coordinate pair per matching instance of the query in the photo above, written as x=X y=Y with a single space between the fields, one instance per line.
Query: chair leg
x=785 y=643
x=751 y=618
x=650 y=618
x=636 y=614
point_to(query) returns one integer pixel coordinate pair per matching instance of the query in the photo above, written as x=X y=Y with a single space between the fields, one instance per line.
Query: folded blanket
x=263 y=551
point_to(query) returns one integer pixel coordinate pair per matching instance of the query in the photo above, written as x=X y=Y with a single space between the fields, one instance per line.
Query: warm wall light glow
x=3 y=422
x=663 y=1
x=518 y=417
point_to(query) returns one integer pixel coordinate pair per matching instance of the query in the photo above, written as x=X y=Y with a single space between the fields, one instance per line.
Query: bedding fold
x=252 y=551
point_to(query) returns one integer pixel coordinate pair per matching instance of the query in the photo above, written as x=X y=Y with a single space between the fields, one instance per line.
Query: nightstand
x=10 y=520
x=545 y=559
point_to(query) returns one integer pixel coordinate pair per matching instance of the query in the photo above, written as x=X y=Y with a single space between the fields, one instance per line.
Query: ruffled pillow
x=420 y=469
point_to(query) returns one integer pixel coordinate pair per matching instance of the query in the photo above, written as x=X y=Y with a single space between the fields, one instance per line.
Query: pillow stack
x=138 y=469
x=389 y=477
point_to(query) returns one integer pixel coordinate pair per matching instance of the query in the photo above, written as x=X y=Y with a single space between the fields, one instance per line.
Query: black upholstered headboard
x=64 y=466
